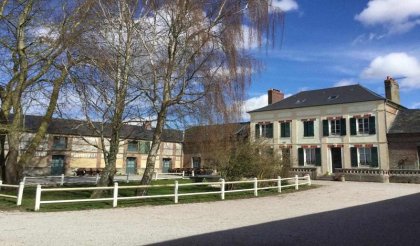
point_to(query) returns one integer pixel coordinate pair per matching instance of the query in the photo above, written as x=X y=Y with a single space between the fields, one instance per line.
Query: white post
x=296 y=182
x=183 y=174
x=156 y=175
x=309 y=179
x=115 y=198
x=38 y=197
x=279 y=184
x=62 y=180
x=222 y=189
x=97 y=178
x=127 y=181
x=255 y=187
x=20 y=194
x=1 y=182
x=24 y=180
x=176 y=192
x=192 y=173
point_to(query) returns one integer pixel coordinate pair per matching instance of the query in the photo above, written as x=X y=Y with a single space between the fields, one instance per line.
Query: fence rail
x=169 y=175
x=176 y=190
x=19 y=194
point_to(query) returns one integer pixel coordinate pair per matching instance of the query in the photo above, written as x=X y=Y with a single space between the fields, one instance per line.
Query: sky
x=330 y=43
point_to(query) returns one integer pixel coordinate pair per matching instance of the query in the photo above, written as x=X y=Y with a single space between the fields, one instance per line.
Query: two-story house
x=329 y=129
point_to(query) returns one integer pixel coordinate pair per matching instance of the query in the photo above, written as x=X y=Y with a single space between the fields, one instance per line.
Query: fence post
x=127 y=181
x=115 y=198
x=1 y=182
x=62 y=180
x=24 y=180
x=279 y=184
x=296 y=182
x=97 y=178
x=183 y=174
x=176 y=192
x=192 y=173
x=222 y=189
x=20 y=194
x=156 y=175
x=255 y=187
x=309 y=180
x=38 y=197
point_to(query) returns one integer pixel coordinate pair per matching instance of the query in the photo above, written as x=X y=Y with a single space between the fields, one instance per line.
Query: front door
x=166 y=165
x=131 y=165
x=57 y=165
x=336 y=158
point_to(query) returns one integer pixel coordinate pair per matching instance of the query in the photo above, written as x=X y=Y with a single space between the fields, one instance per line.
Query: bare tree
x=196 y=58
x=36 y=40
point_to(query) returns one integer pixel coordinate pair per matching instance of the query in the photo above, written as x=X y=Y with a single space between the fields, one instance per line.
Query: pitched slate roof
x=79 y=128
x=407 y=121
x=328 y=96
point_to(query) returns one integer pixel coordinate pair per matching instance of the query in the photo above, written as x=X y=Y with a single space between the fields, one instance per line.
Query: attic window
x=300 y=101
x=332 y=97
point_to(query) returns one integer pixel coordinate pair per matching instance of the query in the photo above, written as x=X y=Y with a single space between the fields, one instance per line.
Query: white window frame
x=359 y=156
x=312 y=156
x=366 y=129
x=337 y=128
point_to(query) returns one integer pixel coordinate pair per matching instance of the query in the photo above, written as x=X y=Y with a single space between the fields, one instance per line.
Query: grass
x=28 y=201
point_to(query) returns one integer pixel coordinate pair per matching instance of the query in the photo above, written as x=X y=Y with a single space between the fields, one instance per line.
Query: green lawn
x=28 y=202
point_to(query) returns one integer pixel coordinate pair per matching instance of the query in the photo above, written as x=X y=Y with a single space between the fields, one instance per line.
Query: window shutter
x=282 y=130
x=311 y=128
x=343 y=127
x=305 y=128
x=318 y=156
x=257 y=131
x=300 y=157
x=374 y=153
x=325 y=129
x=353 y=130
x=287 y=129
x=269 y=130
x=372 y=125
x=353 y=154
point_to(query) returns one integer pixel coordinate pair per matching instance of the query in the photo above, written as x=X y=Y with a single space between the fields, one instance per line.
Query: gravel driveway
x=338 y=213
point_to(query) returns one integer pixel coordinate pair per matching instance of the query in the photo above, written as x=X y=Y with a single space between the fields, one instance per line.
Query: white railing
x=176 y=193
x=59 y=177
x=157 y=175
x=19 y=195
x=62 y=179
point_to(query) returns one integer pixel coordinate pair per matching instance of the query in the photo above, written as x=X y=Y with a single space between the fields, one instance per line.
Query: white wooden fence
x=62 y=179
x=176 y=194
x=19 y=194
x=159 y=176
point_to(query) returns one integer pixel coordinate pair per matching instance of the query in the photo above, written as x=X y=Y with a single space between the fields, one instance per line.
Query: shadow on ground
x=389 y=222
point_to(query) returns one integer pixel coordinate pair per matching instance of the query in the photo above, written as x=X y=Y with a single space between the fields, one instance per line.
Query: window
x=310 y=157
x=308 y=128
x=364 y=156
x=285 y=129
x=196 y=162
x=362 y=125
x=132 y=146
x=59 y=142
x=335 y=126
x=264 y=130
x=144 y=147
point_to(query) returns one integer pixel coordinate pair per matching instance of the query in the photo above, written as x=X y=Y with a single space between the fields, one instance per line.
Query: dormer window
x=332 y=97
x=300 y=101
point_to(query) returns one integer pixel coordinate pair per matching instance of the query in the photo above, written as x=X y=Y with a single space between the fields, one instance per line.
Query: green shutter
x=286 y=128
x=318 y=156
x=353 y=130
x=311 y=128
x=372 y=125
x=300 y=157
x=325 y=130
x=374 y=153
x=343 y=127
x=305 y=128
x=282 y=130
x=353 y=155
x=269 y=128
x=257 y=131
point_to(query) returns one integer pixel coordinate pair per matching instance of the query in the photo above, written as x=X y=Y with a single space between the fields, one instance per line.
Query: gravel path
x=340 y=213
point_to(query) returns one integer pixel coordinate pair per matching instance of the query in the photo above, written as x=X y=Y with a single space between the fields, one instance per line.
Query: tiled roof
x=79 y=128
x=321 y=97
x=407 y=121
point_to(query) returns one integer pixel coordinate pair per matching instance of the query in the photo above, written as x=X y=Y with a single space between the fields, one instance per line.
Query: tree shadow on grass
x=389 y=222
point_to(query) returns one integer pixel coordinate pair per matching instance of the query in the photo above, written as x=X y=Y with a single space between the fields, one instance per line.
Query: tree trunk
x=13 y=171
x=2 y=157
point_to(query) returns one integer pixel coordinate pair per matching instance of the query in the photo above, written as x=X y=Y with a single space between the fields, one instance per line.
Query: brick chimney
x=392 y=90
x=274 y=96
x=147 y=125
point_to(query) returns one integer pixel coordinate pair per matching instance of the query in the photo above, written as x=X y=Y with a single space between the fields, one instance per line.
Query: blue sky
x=339 y=42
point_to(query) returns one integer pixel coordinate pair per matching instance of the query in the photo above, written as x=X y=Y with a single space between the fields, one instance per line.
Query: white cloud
x=250 y=40
x=255 y=103
x=396 y=15
x=285 y=5
x=344 y=82
x=416 y=105
x=396 y=65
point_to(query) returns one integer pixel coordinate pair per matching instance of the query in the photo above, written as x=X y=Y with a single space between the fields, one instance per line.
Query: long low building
x=70 y=144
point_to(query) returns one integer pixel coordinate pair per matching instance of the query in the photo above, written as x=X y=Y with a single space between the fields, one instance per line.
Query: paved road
x=338 y=213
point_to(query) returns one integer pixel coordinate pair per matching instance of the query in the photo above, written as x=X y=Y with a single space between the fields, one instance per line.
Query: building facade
x=330 y=129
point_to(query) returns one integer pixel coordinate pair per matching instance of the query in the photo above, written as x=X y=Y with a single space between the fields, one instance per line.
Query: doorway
x=336 y=158
x=57 y=165
x=166 y=165
x=131 y=165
